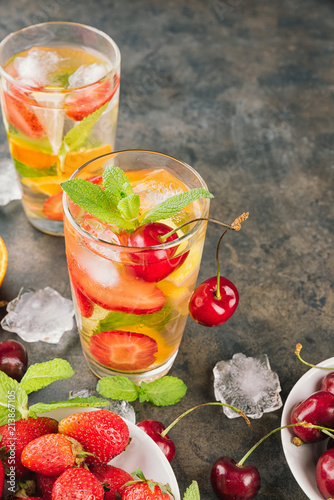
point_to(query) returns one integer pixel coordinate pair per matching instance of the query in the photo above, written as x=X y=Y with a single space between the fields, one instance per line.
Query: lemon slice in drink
x=192 y=261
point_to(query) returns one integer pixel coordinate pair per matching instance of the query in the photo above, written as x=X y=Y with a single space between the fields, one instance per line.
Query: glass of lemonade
x=131 y=302
x=59 y=85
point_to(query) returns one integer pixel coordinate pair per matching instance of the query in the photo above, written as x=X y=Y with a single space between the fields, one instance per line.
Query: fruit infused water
x=130 y=284
x=59 y=95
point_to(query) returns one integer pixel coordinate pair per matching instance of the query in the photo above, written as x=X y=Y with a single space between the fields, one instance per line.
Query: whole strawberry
x=77 y=484
x=145 y=489
x=52 y=454
x=21 y=433
x=45 y=484
x=2 y=478
x=100 y=432
x=111 y=477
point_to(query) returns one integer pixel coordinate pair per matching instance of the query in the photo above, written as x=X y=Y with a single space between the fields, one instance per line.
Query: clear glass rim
x=16 y=82
x=180 y=239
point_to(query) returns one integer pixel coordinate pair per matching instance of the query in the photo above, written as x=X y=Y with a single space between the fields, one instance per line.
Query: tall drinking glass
x=131 y=302
x=59 y=85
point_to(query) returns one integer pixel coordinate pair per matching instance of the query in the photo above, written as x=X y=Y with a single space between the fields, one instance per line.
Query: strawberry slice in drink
x=53 y=207
x=19 y=113
x=123 y=351
x=110 y=287
x=85 y=305
x=84 y=102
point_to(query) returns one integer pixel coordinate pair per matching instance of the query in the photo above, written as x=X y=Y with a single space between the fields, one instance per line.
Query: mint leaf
x=173 y=205
x=92 y=401
x=78 y=134
x=192 y=492
x=13 y=400
x=30 y=172
x=114 y=176
x=117 y=388
x=93 y=199
x=129 y=206
x=163 y=392
x=40 y=375
x=114 y=320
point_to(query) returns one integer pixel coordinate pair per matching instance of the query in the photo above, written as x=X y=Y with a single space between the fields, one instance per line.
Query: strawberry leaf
x=40 y=375
x=173 y=205
x=163 y=392
x=92 y=401
x=192 y=492
x=118 y=387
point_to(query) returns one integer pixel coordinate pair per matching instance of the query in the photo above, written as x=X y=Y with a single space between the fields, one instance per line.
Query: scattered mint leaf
x=115 y=320
x=81 y=402
x=192 y=492
x=94 y=200
x=77 y=135
x=40 y=375
x=30 y=172
x=129 y=206
x=173 y=205
x=164 y=391
x=13 y=400
x=117 y=388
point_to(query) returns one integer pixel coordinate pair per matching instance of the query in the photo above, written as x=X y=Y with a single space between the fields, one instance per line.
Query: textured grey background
x=243 y=91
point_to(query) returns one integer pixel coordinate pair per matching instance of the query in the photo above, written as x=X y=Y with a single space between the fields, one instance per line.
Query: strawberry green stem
x=302 y=424
x=165 y=432
x=297 y=353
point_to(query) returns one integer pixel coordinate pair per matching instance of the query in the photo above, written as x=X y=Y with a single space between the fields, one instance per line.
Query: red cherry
x=207 y=309
x=154 y=265
x=317 y=409
x=154 y=428
x=324 y=473
x=233 y=482
x=327 y=383
x=13 y=359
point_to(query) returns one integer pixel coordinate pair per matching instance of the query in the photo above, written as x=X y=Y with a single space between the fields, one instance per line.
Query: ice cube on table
x=39 y=315
x=35 y=67
x=247 y=383
x=9 y=187
x=121 y=407
x=86 y=75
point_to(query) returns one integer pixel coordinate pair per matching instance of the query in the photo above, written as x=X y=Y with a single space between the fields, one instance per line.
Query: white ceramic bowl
x=302 y=460
x=142 y=452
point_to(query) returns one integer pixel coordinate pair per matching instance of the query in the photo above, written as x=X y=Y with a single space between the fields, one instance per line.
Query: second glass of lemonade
x=130 y=312
x=59 y=85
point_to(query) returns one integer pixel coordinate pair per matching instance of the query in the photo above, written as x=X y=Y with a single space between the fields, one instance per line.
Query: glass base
x=148 y=376
x=52 y=227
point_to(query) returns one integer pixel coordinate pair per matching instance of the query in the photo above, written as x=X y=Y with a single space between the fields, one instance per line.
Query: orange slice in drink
x=76 y=159
x=3 y=260
x=31 y=157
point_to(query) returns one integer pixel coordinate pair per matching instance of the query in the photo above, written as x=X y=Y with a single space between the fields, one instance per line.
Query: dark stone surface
x=243 y=91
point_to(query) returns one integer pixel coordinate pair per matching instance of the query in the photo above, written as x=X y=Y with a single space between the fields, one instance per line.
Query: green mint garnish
x=165 y=391
x=117 y=204
x=192 y=492
x=92 y=401
x=14 y=395
x=76 y=136
x=13 y=399
x=26 y=171
x=40 y=375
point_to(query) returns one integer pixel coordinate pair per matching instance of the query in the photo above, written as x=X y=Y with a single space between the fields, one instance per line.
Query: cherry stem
x=297 y=353
x=218 y=294
x=166 y=431
x=302 y=424
x=167 y=235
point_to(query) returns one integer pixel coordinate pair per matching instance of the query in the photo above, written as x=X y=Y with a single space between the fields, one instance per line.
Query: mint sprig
x=115 y=202
x=40 y=375
x=91 y=401
x=165 y=391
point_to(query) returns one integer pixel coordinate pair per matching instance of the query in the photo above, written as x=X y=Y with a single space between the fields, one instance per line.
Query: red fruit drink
x=59 y=94
x=131 y=296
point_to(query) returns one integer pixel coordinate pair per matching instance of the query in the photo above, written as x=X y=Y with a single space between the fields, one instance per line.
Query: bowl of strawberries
x=80 y=453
